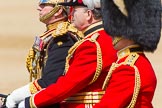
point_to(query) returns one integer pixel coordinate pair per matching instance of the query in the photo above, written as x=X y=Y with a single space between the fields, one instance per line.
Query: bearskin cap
x=137 y=20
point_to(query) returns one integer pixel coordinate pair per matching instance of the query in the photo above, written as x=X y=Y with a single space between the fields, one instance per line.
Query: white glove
x=17 y=96
x=21 y=104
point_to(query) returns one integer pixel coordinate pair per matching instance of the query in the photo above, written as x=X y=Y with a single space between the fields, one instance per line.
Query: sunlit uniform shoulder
x=127 y=57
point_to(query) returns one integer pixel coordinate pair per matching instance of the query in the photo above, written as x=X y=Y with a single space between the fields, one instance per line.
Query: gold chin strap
x=116 y=40
x=50 y=14
x=120 y=4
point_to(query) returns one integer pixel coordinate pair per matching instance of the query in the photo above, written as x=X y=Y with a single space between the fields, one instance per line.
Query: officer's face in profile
x=43 y=10
x=79 y=17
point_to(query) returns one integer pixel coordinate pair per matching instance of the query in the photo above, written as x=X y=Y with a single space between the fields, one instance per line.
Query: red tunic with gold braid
x=88 y=64
x=122 y=83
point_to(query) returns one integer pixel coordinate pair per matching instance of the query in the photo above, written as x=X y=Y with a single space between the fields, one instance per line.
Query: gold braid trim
x=99 y=58
x=131 y=59
x=35 y=71
x=31 y=102
x=99 y=55
x=71 y=52
x=29 y=60
x=136 y=88
x=34 y=87
x=112 y=68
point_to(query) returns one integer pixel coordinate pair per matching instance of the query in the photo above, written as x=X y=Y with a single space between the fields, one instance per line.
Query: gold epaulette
x=75 y=31
x=128 y=50
x=65 y=27
x=131 y=59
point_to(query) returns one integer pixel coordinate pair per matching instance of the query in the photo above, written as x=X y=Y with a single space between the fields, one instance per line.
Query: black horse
x=3 y=98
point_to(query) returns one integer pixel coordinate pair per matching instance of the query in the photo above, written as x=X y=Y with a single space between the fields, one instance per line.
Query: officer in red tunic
x=87 y=63
x=46 y=60
x=135 y=27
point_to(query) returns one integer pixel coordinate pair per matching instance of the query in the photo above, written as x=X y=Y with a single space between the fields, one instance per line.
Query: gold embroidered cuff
x=85 y=97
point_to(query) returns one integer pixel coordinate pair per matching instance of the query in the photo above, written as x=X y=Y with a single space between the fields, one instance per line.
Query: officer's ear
x=59 y=12
x=89 y=14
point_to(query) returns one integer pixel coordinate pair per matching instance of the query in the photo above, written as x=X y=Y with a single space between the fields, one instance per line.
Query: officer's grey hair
x=96 y=13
